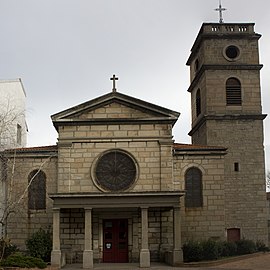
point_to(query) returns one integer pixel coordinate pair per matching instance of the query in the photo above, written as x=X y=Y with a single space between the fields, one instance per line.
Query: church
x=117 y=187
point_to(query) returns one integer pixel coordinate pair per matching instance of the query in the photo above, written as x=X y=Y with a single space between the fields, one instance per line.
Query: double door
x=115 y=240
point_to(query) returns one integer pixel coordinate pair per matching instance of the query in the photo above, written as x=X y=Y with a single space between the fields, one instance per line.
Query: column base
x=144 y=258
x=56 y=258
x=177 y=257
x=88 y=259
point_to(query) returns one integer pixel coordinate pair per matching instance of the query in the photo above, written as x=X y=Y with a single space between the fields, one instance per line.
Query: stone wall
x=245 y=197
x=268 y=206
x=22 y=222
x=72 y=233
x=80 y=146
x=207 y=221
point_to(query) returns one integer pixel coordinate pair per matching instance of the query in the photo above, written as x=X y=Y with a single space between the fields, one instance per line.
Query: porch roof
x=117 y=200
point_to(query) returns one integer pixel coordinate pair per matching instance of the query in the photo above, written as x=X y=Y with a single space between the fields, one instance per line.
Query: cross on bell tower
x=220 y=9
x=114 y=78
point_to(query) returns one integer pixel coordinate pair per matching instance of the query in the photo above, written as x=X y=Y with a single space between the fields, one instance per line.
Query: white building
x=13 y=128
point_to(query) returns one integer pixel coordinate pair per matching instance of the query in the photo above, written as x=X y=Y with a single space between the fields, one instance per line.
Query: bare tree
x=14 y=195
x=12 y=128
x=268 y=180
x=12 y=123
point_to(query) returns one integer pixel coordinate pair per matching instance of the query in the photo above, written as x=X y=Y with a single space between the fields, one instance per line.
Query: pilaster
x=144 y=253
x=177 y=246
x=88 y=247
x=56 y=252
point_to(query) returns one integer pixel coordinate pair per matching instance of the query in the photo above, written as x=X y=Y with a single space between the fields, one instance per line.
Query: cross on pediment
x=114 y=79
x=220 y=9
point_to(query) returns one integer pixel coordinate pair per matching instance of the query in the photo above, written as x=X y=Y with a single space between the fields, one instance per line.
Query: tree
x=268 y=180
x=12 y=125
x=15 y=187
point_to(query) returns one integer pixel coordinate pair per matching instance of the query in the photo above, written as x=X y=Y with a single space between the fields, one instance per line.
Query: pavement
x=259 y=261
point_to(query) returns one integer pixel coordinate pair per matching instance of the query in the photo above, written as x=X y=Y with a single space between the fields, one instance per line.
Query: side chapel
x=117 y=188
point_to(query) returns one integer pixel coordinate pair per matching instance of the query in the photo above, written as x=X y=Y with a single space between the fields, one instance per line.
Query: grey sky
x=65 y=51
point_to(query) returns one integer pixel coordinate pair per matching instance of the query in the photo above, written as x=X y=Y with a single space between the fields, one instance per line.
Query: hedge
x=194 y=251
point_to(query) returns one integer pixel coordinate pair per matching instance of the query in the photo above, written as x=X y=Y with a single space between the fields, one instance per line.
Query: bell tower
x=226 y=111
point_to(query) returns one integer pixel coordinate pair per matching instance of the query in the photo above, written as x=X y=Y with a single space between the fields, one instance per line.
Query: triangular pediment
x=114 y=107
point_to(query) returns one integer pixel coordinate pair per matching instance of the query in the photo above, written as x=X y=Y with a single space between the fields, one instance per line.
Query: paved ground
x=260 y=262
x=257 y=262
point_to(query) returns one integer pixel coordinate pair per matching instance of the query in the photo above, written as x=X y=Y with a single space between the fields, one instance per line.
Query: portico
x=110 y=205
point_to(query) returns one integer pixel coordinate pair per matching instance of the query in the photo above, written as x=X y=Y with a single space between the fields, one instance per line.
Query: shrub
x=39 y=245
x=228 y=249
x=260 y=246
x=19 y=260
x=7 y=248
x=210 y=249
x=192 y=251
x=245 y=247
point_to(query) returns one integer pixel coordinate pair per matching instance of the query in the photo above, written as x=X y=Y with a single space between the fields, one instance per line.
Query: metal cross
x=220 y=9
x=114 y=78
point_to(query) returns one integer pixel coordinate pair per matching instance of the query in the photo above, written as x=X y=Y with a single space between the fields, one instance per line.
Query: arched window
x=37 y=190
x=198 y=103
x=233 y=92
x=193 y=186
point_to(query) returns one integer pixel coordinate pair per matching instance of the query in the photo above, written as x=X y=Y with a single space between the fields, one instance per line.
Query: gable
x=115 y=108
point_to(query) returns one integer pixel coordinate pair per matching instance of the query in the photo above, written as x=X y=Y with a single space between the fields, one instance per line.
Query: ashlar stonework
x=119 y=189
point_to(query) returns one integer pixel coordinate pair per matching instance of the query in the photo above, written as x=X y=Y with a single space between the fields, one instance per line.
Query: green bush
x=228 y=249
x=210 y=249
x=245 y=247
x=7 y=248
x=192 y=251
x=19 y=260
x=260 y=246
x=39 y=245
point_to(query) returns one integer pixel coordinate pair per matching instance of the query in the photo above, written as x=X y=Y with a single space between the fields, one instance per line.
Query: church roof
x=150 y=112
x=35 y=149
x=189 y=148
x=40 y=148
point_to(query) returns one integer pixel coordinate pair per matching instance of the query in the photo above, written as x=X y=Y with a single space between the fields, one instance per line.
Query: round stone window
x=115 y=171
x=231 y=52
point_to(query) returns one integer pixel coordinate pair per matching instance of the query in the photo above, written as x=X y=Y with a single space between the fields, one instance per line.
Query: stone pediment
x=114 y=108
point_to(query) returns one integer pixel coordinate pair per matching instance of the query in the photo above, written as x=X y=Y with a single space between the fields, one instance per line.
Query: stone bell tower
x=226 y=111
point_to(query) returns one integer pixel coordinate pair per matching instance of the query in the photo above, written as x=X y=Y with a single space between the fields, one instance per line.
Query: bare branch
x=268 y=180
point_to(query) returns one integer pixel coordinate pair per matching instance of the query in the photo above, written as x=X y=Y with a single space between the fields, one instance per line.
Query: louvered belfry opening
x=233 y=92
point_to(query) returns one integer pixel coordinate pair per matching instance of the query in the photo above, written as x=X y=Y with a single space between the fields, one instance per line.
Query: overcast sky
x=65 y=52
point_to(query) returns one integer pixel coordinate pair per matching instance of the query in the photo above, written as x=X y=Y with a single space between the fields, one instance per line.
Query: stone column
x=144 y=253
x=56 y=252
x=88 y=249
x=177 y=247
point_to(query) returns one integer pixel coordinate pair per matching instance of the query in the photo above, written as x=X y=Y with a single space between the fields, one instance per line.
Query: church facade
x=117 y=188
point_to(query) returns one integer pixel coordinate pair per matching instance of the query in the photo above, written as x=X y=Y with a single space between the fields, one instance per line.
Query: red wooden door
x=115 y=240
x=233 y=234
